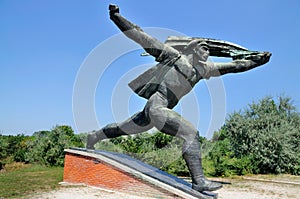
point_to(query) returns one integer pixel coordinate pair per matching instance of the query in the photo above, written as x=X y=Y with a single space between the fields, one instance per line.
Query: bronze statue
x=182 y=63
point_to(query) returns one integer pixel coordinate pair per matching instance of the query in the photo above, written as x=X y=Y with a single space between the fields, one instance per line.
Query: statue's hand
x=260 y=58
x=113 y=9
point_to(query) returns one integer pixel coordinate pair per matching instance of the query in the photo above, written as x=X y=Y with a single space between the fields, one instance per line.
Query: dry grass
x=15 y=166
x=20 y=180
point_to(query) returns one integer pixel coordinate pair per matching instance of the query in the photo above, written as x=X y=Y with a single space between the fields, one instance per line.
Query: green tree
x=47 y=147
x=3 y=151
x=266 y=135
x=161 y=140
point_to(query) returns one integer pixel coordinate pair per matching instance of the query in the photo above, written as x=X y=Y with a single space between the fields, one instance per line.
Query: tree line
x=43 y=147
x=263 y=138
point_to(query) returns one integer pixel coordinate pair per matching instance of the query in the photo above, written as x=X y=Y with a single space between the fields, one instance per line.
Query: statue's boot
x=192 y=157
x=109 y=131
x=93 y=138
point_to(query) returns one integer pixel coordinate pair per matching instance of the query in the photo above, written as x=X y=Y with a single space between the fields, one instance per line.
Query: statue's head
x=199 y=48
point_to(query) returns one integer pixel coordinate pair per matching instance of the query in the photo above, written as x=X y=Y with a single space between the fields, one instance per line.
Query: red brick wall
x=82 y=169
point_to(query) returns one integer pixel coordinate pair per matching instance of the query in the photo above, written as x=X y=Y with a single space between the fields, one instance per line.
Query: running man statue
x=163 y=85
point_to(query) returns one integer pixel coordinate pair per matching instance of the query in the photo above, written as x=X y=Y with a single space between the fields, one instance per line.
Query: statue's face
x=202 y=52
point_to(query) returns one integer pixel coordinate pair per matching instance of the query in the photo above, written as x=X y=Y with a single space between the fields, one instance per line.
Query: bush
x=47 y=147
x=12 y=148
x=157 y=149
x=264 y=138
x=221 y=155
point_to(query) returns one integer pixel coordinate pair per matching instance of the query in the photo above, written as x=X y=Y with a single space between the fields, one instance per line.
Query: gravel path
x=248 y=189
x=235 y=189
x=84 y=193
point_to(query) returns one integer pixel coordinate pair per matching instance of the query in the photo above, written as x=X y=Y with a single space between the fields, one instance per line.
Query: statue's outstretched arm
x=240 y=65
x=153 y=46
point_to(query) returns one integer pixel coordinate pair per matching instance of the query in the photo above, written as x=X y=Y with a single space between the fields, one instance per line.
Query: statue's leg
x=192 y=157
x=170 y=122
x=134 y=32
x=138 y=123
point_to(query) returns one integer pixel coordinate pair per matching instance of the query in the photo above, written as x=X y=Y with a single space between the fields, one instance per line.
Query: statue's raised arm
x=240 y=65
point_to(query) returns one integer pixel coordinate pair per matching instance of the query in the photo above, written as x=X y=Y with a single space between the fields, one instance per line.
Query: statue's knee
x=157 y=117
x=155 y=112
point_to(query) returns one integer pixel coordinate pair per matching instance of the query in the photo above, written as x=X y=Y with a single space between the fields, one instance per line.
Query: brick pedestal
x=121 y=173
x=87 y=170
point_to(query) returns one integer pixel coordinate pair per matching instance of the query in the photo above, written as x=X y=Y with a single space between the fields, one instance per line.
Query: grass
x=21 y=182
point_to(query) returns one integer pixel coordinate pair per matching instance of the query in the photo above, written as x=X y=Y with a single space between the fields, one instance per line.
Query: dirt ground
x=236 y=188
x=259 y=189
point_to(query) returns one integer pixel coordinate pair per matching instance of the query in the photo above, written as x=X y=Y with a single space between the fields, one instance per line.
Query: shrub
x=47 y=147
x=264 y=138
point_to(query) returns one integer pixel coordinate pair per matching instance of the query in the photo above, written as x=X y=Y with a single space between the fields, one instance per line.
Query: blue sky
x=45 y=45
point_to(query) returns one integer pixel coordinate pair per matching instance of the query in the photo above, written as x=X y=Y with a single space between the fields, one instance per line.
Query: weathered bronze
x=182 y=63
